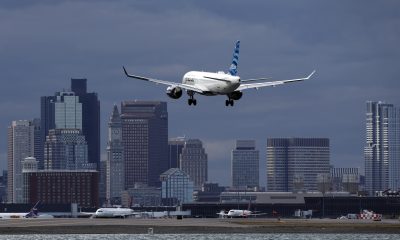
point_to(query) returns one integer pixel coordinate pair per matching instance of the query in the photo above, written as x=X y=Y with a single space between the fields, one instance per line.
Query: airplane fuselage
x=238 y=213
x=113 y=212
x=218 y=83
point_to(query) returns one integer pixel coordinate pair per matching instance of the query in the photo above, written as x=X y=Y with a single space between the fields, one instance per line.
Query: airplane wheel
x=226 y=102
x=194 y=102
x=231 y=102
x=190 y=101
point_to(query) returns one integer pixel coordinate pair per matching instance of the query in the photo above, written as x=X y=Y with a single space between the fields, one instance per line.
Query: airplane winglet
x=126 y=73
x=309 y=76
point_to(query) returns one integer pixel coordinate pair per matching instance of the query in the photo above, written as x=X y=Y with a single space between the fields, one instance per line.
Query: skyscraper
x=115 y=176
x=67 y=111
x=75 y=109
x=37 y=143
x=245 y=164
x=66 y=149
x=382 y=149
x=194 y=162
x=61 y=111
x=46 y=123
x=90 y=118
x=20 y=146
x=145 y=141
x=175 y=146
x=296 y=161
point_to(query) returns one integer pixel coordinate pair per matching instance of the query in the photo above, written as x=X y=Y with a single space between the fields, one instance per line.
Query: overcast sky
x=353 y=45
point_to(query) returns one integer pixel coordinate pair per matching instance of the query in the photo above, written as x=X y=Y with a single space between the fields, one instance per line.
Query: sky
x=353 y=46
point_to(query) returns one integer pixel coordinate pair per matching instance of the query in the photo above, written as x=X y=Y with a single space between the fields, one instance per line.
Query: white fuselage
x=238 y=213
x=218 y=83
x=113 y=212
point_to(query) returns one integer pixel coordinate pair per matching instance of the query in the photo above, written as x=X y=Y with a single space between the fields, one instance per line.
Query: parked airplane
x=114 y=213
x=219 y=83
x=33 y=213
x=238 y=213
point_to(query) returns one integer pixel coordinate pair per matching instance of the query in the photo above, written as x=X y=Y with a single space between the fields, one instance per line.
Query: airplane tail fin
x=34 y=212
x=235 y=59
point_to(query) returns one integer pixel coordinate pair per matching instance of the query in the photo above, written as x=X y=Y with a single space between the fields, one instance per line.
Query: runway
x=193 y=225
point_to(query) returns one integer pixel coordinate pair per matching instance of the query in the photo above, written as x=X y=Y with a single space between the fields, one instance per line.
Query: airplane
x=114 y=213
x=212 y=84
x=33 y=213
x=238 y=213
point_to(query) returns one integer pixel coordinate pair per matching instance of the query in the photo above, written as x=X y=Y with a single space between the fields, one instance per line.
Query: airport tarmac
x=193 y=225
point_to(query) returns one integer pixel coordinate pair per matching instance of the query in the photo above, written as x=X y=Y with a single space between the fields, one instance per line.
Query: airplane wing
x=157 y=81
x=271 y=84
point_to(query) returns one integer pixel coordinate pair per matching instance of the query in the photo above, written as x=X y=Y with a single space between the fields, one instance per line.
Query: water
x=285 y=236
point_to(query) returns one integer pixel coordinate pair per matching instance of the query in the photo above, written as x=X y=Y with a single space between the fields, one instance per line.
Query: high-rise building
x=175 y=146
x=382 y=149
x=67 y=111
x=37 y=144
x=194 y=162
x=115 y=176
x=176 y=187
x=294 y=163
x=145 y=141
x=75 y=109
x=245 y=164
x=103 y=183
x=66 y=149
x=90 y=118
x=61 y=111
x=20 y=146
x=46 y=123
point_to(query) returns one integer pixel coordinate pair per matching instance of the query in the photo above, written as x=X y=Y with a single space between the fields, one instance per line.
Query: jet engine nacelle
x=174 y=92
x=236 y=95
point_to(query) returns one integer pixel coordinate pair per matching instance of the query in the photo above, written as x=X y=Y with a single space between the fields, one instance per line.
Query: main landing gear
x=229 y=102
x=191 y=100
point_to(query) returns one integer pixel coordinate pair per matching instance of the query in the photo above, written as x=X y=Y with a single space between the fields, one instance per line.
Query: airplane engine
x=174 y=92
x=236 y=95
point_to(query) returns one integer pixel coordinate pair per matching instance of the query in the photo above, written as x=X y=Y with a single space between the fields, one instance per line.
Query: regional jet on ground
x=114 y=213
x=239 y=213
x=211 y=84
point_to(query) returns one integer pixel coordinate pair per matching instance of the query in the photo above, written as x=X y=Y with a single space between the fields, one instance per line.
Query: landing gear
x=229 y=102
x=191 y=100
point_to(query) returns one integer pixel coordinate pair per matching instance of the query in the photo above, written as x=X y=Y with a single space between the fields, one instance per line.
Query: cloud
x=352 y=46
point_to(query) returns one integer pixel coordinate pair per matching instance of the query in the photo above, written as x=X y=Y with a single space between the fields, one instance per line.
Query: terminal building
x=284 y=204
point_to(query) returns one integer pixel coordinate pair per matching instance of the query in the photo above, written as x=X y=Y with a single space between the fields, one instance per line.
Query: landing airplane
x=33 y=213
x=219 y=83
x=238 y=213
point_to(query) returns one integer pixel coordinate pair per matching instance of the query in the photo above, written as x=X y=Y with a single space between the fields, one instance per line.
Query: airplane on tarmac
x=238 y=213
x=114 y=213
x=33 y=213
x=219 y=83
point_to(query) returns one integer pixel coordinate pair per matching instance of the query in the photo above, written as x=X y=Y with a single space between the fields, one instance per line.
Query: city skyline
x=343 y=41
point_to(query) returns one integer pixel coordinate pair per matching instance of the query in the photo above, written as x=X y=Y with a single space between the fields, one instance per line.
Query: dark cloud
x=352 y=44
